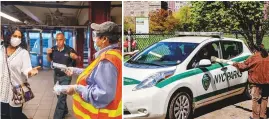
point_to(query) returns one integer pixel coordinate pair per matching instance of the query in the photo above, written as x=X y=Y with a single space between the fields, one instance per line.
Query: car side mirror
x=204 y=63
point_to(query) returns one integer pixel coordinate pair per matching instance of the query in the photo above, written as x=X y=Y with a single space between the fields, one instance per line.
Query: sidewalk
x=44 y=103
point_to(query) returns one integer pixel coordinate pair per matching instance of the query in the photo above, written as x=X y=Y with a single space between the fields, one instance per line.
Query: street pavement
x=44 y=103
x=236 y=107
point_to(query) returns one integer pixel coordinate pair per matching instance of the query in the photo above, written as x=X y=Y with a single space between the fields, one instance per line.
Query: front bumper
x=144 y=103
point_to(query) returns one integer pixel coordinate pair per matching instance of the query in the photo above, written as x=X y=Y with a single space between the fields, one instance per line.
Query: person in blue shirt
x=102 y=82
x=66 y=55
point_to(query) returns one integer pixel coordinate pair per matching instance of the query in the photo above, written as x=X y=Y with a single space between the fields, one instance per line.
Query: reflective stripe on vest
x=84 y=110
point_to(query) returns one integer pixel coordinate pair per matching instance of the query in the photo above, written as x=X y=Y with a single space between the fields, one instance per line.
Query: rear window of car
x=231 y=49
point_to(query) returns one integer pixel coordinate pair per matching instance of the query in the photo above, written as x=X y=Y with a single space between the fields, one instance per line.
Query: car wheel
x=247 y=92
x=180 y=106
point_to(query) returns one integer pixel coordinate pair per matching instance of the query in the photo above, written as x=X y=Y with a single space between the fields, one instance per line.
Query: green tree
x=245 y=16
x=162 y=21
x=129 y=23
x=183 y=15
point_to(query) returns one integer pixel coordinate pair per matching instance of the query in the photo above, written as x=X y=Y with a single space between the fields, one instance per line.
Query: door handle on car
x=224 y=68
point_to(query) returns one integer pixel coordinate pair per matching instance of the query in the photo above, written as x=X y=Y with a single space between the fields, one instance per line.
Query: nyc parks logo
x=206 y=80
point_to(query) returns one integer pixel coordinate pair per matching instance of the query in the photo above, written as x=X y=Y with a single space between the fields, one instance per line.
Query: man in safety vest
x=98 y=92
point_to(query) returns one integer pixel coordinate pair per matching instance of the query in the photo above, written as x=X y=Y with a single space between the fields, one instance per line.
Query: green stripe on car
x=130 y=81
x=201 y=97
x=195 y=72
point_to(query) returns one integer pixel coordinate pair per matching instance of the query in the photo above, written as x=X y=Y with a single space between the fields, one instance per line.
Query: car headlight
x=153 y=80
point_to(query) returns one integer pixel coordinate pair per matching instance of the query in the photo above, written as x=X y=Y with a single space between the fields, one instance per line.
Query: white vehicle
x=175 y=76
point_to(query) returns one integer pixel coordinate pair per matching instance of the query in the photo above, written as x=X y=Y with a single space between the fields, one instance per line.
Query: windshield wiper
x=147 y=63
x=133 y=62
x=151 y=63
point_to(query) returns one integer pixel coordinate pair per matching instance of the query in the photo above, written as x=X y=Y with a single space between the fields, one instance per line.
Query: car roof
x=195 y=39
x=232 y=39
x=188 y=39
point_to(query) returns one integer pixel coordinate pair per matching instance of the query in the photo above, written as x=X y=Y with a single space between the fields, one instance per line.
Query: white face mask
x=15 y=41
x=95 y=45
x=94 y=39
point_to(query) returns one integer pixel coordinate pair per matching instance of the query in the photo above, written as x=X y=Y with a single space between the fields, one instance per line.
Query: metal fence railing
x=141 y=41
x=265 y=41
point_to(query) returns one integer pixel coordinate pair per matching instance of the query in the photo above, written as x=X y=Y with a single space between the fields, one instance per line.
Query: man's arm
x=73 y=54
x=244 y=65
x=103 y=91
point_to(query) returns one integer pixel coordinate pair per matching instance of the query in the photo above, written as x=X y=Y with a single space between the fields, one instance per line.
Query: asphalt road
x=232 y=108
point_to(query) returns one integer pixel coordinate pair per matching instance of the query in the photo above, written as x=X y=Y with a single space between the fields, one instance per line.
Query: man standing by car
x=66 y=55
x=258 y=73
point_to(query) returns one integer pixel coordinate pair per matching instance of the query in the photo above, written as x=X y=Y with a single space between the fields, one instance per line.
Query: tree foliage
x=244 y=16
x=162 y=21
x=129 y=23
x=183 y=15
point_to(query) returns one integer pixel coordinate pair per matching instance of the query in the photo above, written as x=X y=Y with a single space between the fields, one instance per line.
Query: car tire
x=181 y=102
x=247 y=92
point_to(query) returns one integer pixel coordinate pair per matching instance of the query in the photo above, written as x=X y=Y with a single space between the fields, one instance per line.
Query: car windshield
x=164 y=54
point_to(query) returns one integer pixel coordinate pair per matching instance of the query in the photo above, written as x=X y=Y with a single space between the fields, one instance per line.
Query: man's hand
x=71 y=90
x=49 y=51
x=34 y=71
x=73 y=56
x=235 y=64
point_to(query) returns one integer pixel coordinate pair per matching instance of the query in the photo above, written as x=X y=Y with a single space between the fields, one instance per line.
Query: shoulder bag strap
x=9 y=76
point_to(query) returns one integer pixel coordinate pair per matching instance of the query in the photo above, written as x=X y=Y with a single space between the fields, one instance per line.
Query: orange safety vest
x=113 y=110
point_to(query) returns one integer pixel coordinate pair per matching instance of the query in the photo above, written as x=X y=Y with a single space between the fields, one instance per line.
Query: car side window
x=211 y=49
x=231 y=49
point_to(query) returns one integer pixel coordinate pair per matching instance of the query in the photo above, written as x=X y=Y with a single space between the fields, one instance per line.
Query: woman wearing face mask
x=99 y=85
x=15 y=69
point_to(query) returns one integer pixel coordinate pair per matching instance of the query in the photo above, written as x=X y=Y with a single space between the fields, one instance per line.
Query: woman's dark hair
x=8 y=35
x=260 y=49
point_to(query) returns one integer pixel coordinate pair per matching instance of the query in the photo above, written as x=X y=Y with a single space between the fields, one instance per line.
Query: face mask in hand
x=15 y=41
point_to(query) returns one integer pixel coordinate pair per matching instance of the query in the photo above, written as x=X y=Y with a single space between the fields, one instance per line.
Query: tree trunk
x=249 y=39
x=258 y=30
x=258 y=37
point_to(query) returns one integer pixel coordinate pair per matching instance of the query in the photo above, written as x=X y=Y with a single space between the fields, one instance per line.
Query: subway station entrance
x=39 y=22
x=39 y=40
